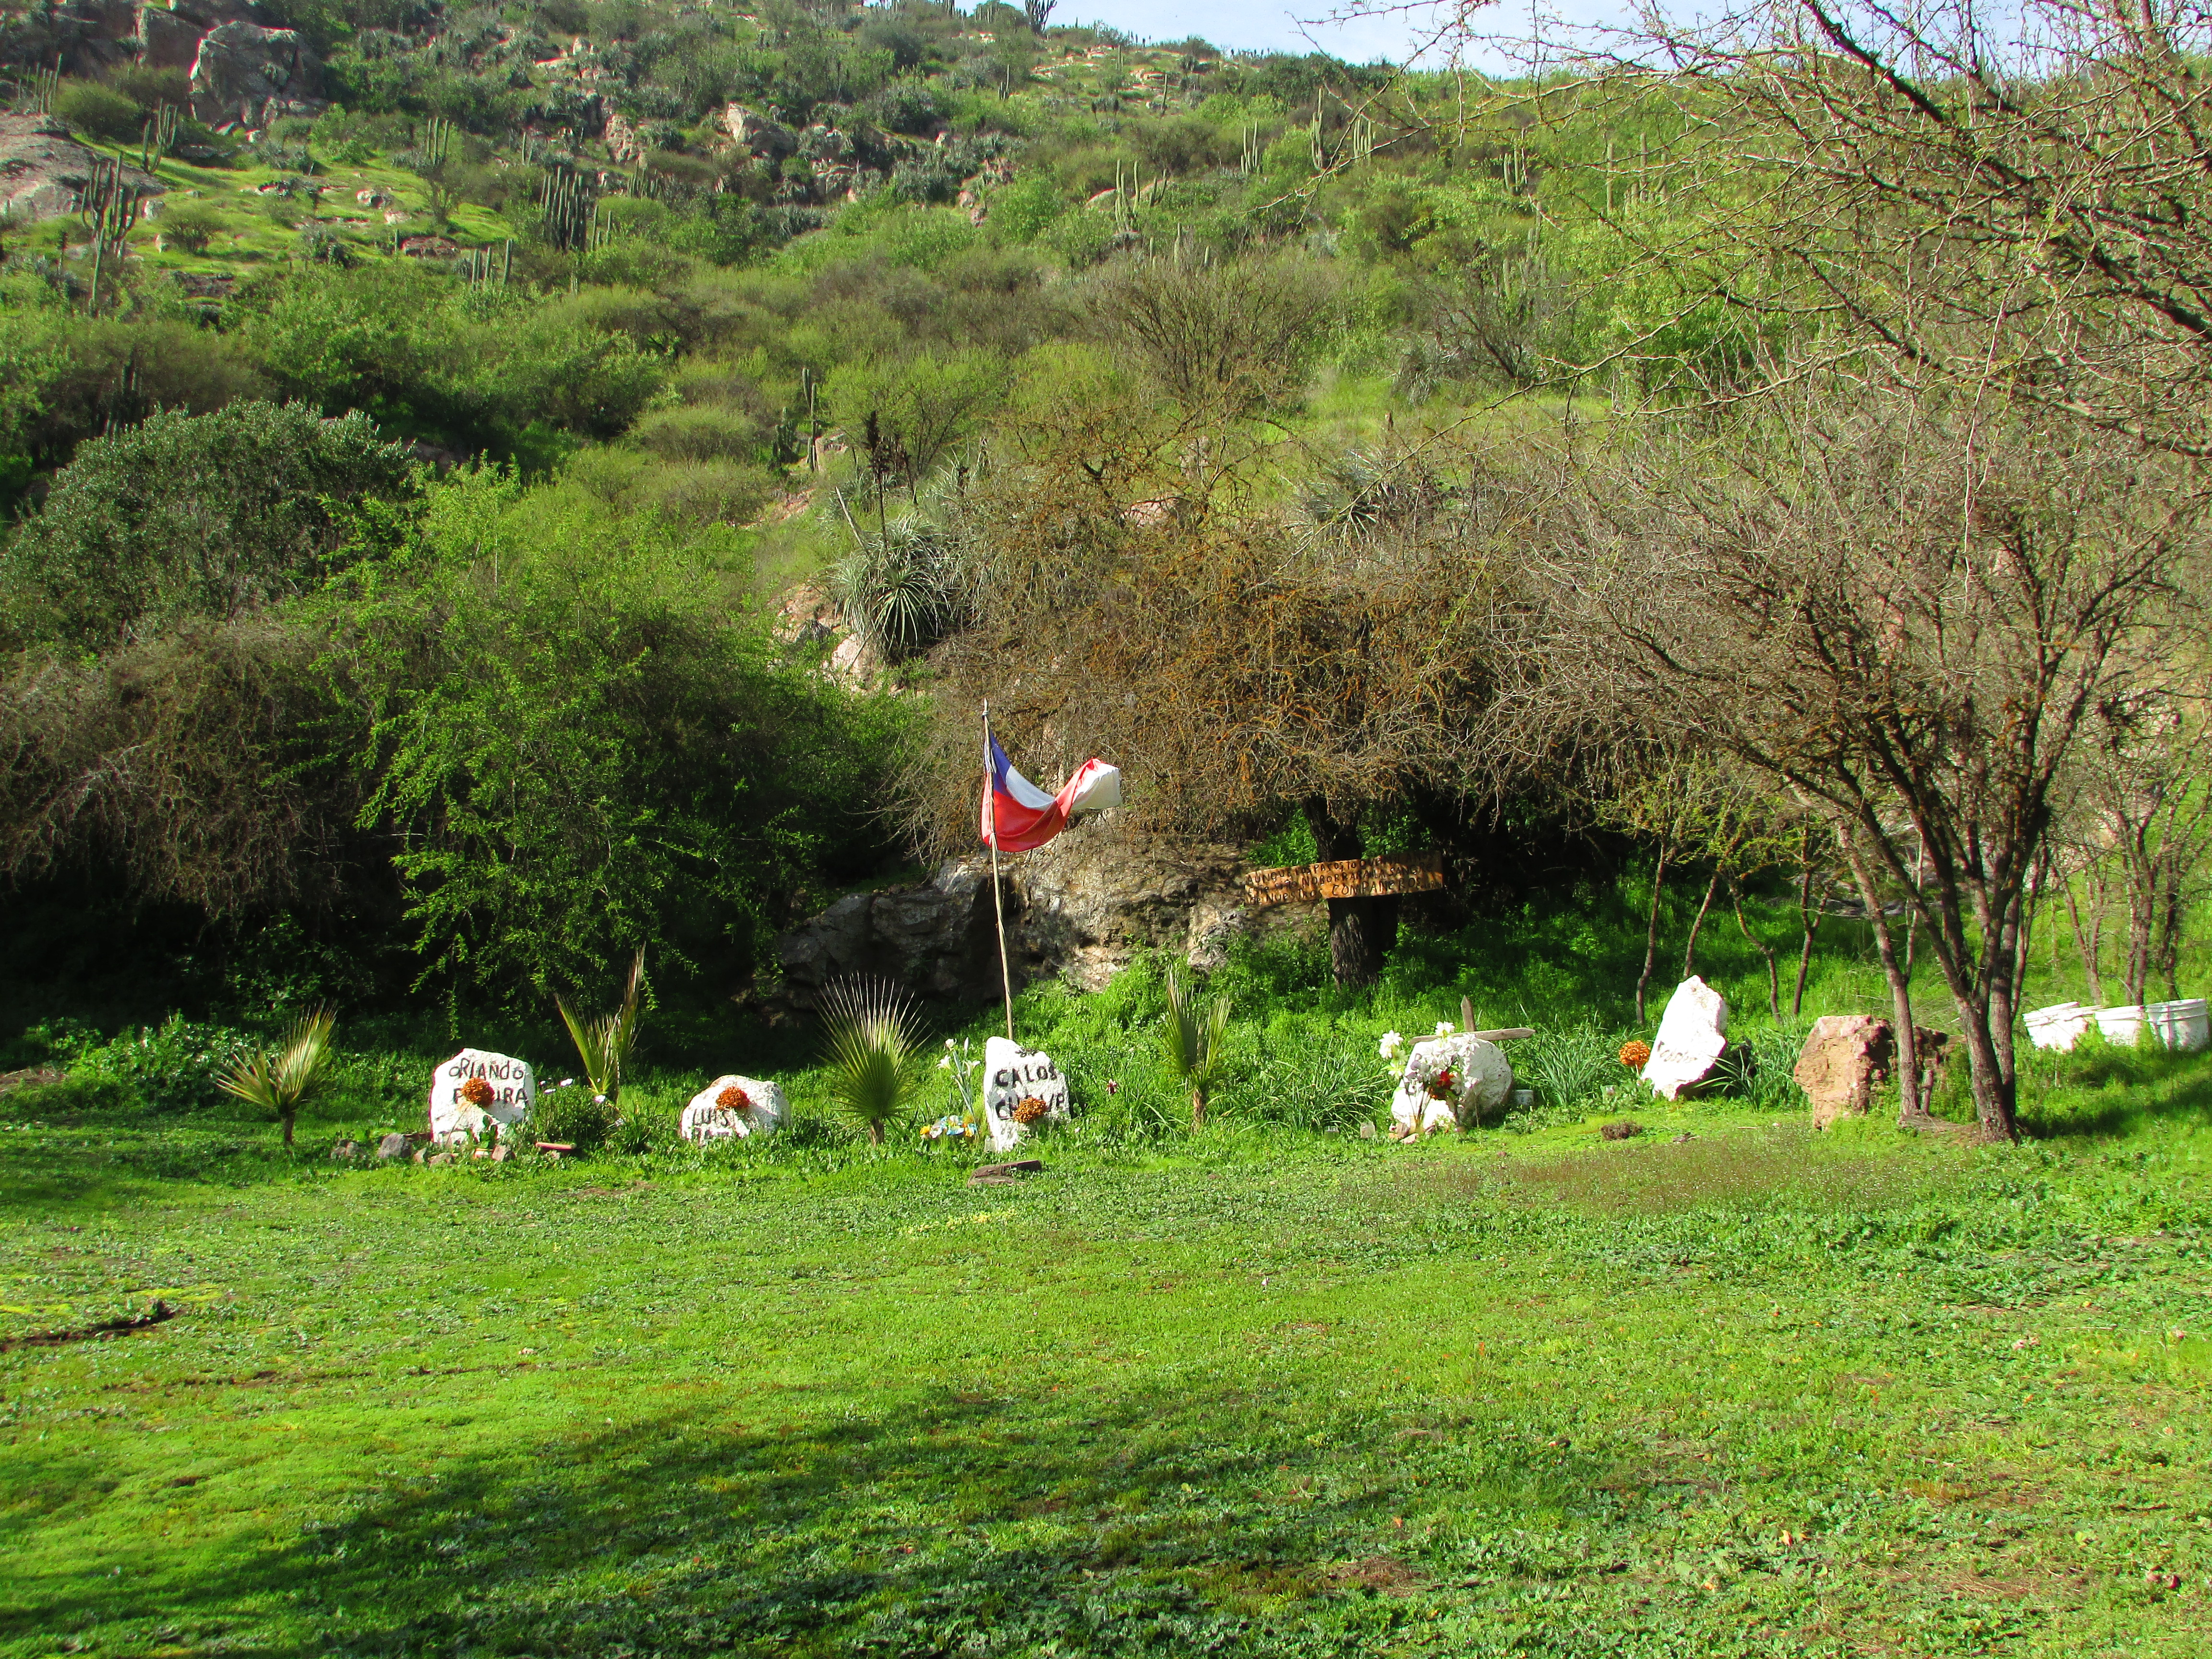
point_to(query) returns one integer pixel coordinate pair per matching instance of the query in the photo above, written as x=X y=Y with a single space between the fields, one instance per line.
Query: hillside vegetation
x=663 y=306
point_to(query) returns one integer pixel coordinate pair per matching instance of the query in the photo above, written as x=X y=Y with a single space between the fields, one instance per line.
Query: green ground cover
x=1250 y=1392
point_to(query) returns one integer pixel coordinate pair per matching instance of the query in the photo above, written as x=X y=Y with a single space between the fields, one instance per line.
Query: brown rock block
x=1844 y=1057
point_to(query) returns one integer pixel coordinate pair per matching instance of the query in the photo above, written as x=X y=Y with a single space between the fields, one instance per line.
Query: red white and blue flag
x=1023 y=816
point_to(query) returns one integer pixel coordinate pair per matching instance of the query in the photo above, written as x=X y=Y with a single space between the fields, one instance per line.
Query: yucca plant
x=603 y=1044
x=874 y=1052
x=1193 y=1040
x=280 y=1079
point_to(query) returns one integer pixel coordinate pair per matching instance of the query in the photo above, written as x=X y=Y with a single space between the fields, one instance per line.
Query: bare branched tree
x=2136 y=805
x=1237 y=663
x=1940 y=194
x=1904 y=615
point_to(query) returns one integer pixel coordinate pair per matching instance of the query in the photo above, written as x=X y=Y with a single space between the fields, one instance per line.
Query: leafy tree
x=576 y=750
x=193 y=516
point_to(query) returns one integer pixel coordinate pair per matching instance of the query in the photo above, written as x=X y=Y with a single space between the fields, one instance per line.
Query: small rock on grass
x=393 y=1145
x=1620 y=1131
x=1004 y=1175
x=1367 y=1131
x=344 y=1150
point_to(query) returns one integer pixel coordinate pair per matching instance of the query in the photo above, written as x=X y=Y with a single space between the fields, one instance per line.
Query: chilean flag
x=1026 y=817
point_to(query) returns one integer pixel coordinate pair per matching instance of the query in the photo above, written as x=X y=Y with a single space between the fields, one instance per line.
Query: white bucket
x=2122 y=1026
x=2059 y=1026
x=2187 y=1024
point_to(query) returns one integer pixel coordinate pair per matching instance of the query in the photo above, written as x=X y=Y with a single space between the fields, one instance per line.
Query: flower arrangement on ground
x=1635 y=1054
x=968 y=1120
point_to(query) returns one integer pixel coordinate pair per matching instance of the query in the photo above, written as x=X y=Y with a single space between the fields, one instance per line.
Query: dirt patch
x=1649 y=1176
x=160 y=1314
x=1383 y=1573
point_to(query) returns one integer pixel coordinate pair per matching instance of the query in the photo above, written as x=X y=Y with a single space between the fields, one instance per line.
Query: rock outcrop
x=43 y=169
x=170 y=35
x=84 y=36
x=1079 y=907
x=755 y=134
x=245 y=76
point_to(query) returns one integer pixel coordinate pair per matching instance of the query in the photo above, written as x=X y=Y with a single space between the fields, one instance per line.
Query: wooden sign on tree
x=1379 y=877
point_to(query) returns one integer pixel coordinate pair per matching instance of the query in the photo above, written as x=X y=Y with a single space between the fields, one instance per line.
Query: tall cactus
x=110 y=205
x=568 y=208
x=437 y=142
x=158 y=136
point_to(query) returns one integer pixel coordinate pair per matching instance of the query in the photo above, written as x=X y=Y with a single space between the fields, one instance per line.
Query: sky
x=1300 y=25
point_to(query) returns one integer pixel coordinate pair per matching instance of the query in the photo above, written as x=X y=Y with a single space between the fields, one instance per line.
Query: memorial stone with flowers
x=477 y=1093
x=1021 y=1088
x=1447 y=1079
x=733 y=1108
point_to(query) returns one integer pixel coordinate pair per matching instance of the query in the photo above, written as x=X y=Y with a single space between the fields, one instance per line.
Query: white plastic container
x=2122 y=1026
x=2187 y=1024
x=2059 y=1026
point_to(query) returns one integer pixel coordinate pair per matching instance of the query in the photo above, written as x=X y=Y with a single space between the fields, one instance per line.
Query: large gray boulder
x=246 y=75
x=1078 y=909
x=43 y=169
x=169 y=34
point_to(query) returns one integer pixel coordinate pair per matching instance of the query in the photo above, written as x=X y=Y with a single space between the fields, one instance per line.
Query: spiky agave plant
x=874 y=1051
x=905 y=585
x=280 y=1079
x=1194 y=1041
x=603 y=1044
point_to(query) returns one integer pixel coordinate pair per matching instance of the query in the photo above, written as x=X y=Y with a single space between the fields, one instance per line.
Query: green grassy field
x=1259 y=1392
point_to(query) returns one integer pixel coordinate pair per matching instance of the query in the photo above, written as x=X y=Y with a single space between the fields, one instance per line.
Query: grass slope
x=1755 y=1392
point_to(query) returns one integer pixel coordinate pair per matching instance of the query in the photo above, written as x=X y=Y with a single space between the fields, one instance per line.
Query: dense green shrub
x=75 y=1097
x=193 y=516
x=189 y=226
x=573 y=1117
x=178 y=1065
x=579 y=753
x=100 y=111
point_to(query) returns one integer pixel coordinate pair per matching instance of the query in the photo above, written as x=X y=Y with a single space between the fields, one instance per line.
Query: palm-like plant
x=874 y=1052
x=603 y=1044
x=1193 y=1040
x=906 y=584
x=280 y=1079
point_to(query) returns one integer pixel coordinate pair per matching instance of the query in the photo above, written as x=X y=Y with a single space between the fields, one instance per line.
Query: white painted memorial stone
x=707 y=1119
x=1482 y=1079
x=511 y=1091
x=1013 y=1074
x=1693 y=1032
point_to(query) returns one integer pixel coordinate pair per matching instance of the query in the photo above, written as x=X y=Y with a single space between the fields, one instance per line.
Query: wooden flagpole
x=998 y=904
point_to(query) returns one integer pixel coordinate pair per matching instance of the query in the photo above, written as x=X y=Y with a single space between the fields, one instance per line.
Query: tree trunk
x=875 y=1134
x=1361 y=931
x=286 y=1119
x=1773 y=969
x=1197 y=1110
x=2091 y=980
x=1690 y=949
x=1652 y=931
x=1808 y=919
x=1994 y=1091
x=1912 y=1112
